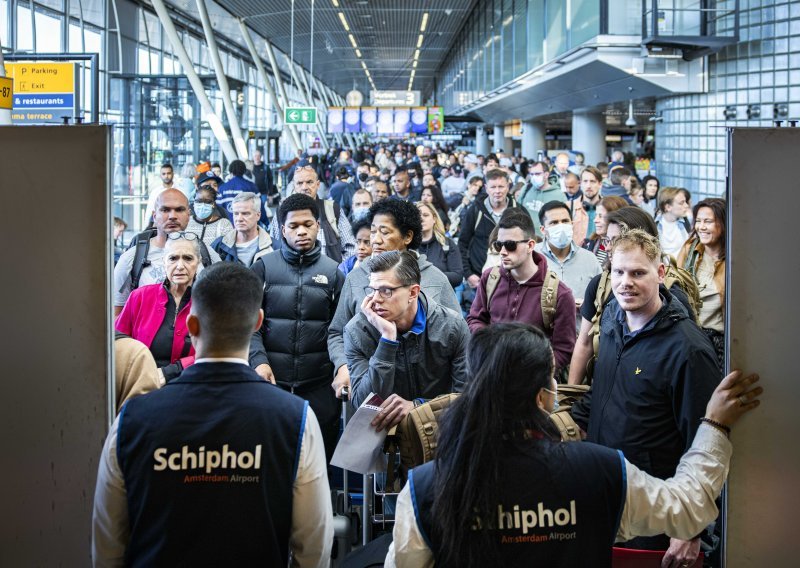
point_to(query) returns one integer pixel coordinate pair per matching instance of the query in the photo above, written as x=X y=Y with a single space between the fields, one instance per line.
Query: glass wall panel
x=556 y=39
x=57 y=5
x=535 y=33
x=584 y=21
x=520 y=37
x=92 y=10
x=508 y=41
x=24 y=29
x=625 y=17
x=4 y=22
x=48 y=33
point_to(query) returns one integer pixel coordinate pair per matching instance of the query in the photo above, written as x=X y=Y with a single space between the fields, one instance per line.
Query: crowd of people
x=408 y=273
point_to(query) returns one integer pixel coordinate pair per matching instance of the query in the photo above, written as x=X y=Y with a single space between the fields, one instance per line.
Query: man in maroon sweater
x=518 y=294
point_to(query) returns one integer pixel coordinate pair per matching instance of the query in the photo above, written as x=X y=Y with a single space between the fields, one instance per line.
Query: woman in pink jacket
x=156 y=314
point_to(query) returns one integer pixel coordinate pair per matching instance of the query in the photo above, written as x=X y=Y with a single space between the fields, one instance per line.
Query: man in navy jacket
x=219 y=467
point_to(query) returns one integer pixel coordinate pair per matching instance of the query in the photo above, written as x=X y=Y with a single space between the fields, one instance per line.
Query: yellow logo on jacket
x=638 y=370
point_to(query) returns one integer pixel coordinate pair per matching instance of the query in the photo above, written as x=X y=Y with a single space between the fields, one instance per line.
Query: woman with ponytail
x=504 y=491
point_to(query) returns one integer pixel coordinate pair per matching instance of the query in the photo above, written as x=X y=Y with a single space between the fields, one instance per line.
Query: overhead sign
x=6 y=90
x=395 y=98
x=300 y=115
x=43 y=92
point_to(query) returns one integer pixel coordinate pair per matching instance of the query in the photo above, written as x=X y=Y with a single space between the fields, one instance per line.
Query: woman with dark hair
x=651 y=187
x=597 y=242
x=503 y=484
x=433 y=194
x=703 y=255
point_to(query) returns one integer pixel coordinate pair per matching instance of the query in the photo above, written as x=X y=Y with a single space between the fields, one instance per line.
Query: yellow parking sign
x=42 y=77
x=6 y=92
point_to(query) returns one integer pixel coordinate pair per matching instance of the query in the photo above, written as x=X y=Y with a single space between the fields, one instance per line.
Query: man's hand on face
x=393 y=410
x=387 y=328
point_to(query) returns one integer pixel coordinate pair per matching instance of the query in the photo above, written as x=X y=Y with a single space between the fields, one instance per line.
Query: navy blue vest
x=560 y=504
x=209 y=463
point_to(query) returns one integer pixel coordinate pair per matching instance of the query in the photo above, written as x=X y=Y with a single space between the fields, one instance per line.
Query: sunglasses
x=511 y=246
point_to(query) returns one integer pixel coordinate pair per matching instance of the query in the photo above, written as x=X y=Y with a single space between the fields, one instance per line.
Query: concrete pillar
x=532 y=139
x=481 y=140
x=497 y=143
x=589 y=135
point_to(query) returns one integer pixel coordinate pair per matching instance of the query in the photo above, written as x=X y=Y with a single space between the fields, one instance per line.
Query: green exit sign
x=300 y=115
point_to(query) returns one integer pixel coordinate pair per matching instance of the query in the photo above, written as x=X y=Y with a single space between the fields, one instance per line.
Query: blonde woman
x=439 y=249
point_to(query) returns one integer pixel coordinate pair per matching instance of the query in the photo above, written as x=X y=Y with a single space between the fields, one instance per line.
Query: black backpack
x=140 y=261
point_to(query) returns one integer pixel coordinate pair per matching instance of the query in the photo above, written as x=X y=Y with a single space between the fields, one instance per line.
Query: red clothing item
x=143 y=315
x=513 y=301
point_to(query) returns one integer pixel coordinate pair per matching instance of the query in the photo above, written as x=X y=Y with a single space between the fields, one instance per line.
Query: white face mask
x=560 y=235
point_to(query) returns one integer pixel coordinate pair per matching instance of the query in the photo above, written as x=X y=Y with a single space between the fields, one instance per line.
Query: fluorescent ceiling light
x=419 y=41
x=353 y=41
x=424 y=22
x=344 y=21
x=364 y=65
x=335 y=3
x=414 y=64
x=358 y=53
x=416 y=54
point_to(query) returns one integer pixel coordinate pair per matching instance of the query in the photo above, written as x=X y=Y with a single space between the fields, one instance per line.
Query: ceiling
x=385 y=31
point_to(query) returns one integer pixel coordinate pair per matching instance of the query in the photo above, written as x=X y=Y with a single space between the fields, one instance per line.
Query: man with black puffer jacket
x=301 y=291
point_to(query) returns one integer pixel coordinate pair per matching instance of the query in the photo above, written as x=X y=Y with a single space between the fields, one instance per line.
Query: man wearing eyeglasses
x=336 y=235
x=539 y=191
x=520 y=283
x=403 y=345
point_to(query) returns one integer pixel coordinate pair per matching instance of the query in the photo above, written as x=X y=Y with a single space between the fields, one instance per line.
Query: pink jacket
x=143 y=315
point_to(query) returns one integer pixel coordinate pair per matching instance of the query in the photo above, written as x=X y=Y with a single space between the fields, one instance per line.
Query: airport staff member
x=219 y=467
x=475 y=504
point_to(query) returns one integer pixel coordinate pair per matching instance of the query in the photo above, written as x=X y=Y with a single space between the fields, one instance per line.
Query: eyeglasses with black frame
x=182 y=235
x=511 y=246
x=384 y=291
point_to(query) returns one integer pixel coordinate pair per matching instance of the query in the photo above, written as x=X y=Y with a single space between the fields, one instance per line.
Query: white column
x=589 y=135
x=481 y=140
x=532 y=139
x=497 y=143
x=197 y=86
x=224 y=89
x=276 y=72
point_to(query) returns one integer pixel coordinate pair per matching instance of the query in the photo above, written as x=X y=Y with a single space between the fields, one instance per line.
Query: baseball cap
x=208 y=176
x=471 y=159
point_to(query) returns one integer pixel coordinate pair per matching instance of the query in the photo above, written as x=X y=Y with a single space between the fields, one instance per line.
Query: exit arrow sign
x=300 y=115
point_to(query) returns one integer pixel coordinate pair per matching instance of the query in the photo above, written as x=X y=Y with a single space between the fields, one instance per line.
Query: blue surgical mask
x=537 y=181
x=203 y=210
x=560 y=235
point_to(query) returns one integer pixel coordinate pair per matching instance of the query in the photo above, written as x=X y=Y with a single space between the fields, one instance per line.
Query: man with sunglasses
x=403 y=345
x=516 y=293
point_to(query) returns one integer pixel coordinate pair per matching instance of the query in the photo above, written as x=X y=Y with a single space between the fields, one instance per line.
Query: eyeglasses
x=182 y=235
x=511 y=246
x=383 y=291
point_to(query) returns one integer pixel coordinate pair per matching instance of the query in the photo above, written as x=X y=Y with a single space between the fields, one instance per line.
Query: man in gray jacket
x=395 y=225
x=403 y=346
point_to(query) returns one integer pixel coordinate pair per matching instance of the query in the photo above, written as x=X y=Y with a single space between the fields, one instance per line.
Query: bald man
x=171 y=215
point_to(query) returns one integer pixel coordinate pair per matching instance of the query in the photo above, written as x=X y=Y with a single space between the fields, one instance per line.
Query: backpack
x=567 y=396
x=674 y=275
x=415 y=436
x=548 y=300
x=140 y=261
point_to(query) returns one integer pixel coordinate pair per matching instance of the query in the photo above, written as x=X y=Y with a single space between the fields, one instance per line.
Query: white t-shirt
x=246 y=251
x=672 y=235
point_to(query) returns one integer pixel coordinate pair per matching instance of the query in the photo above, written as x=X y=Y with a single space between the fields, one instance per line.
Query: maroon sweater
x=513 y=301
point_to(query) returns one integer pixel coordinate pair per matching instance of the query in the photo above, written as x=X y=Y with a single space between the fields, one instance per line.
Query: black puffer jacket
x=301 y=292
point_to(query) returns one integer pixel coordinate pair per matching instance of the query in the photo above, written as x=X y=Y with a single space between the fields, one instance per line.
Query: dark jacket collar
x=294 y=257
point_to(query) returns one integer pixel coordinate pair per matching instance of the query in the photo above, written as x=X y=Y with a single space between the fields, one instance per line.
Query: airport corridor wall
x=56 y=336
x=762 y=323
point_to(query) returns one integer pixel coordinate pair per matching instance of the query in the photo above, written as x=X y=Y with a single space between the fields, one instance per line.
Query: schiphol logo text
x=524 y=520
x=209 y=463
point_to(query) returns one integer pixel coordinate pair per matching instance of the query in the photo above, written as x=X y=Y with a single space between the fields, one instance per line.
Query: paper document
x=360 y=447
